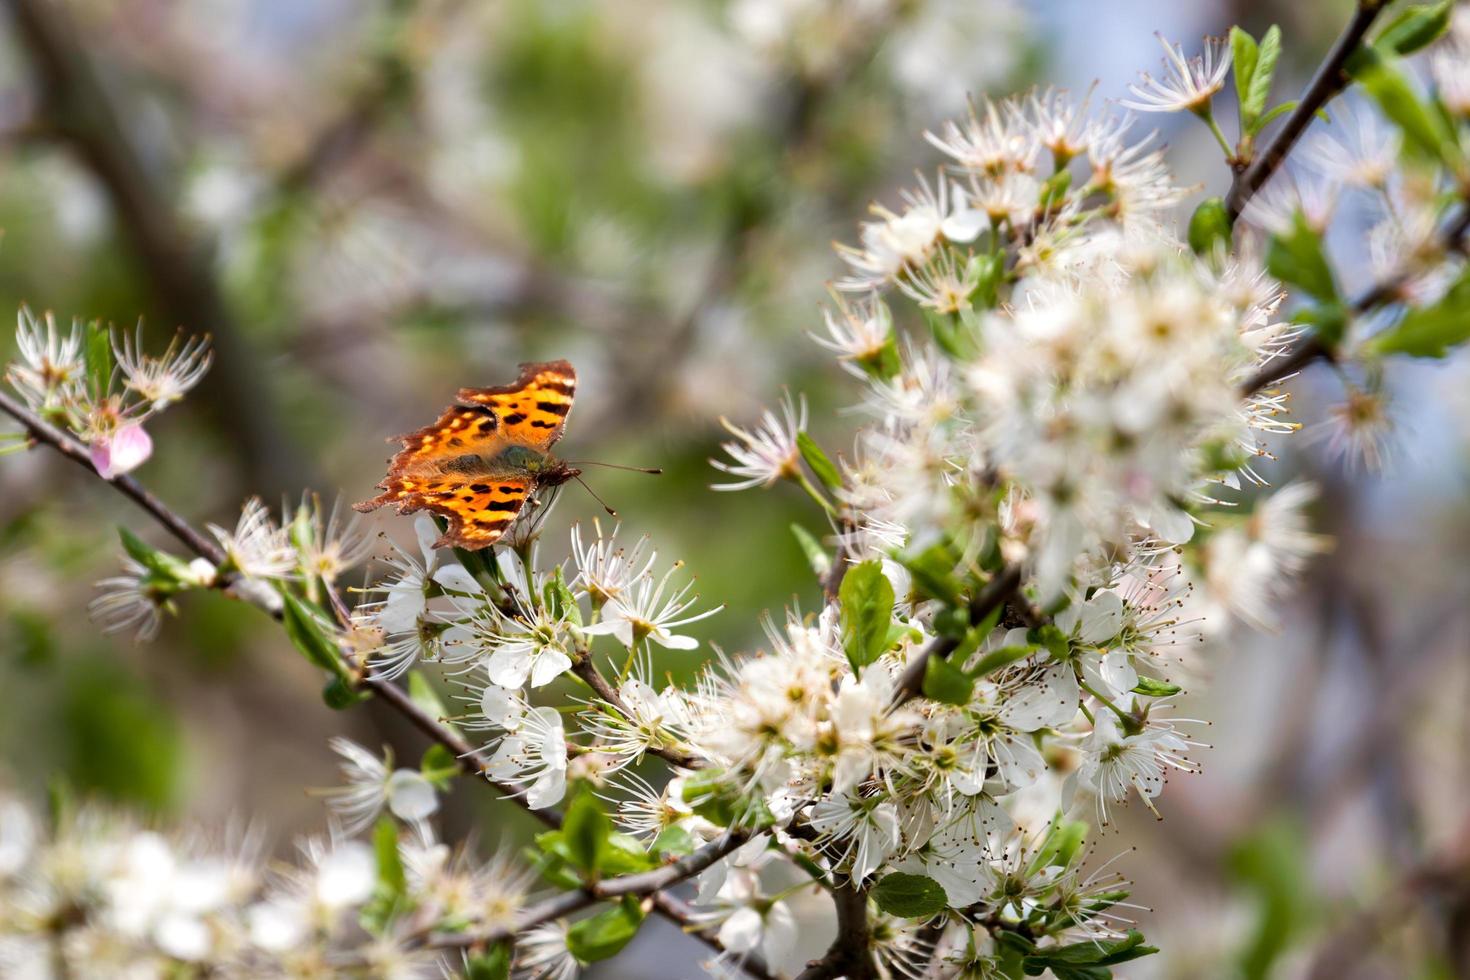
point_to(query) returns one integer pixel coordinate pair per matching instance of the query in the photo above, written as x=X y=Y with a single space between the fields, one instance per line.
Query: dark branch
x=1331 y=78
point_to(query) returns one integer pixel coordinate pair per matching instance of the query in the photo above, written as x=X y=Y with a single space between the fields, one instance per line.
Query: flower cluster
x=100 y=385
x=96 y=893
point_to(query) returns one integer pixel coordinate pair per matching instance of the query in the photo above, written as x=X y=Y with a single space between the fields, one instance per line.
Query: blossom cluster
x=92 y=892
x=100 y=384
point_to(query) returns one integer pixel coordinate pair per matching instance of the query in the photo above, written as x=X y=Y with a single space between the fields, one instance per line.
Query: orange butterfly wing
x=533 y=411
x=447 y=467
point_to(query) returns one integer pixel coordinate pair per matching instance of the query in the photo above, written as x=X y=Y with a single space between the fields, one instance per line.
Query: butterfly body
x=485 y=457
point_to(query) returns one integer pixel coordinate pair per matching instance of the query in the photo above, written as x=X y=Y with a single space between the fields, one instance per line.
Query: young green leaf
x=910 y=896
x=986 y=272
x=1209 y=228
x=306 y=627
x=1430 y=331
x=1149 y=687
x=1296 y=257
x=422 y=693
x=1416 y=26
x=933 y=572
x=866 y=601
x=946 y=683
x=605 y=934
x=160 y=563
x=439 y=766
x=673 y=841
x=493 y=964
x=586 y=830
x=97 y=354
x=1254 y=102
x=1243 y=52
x=820 y=464
x=339 y=694
x=816 y=555
x=1425 y=131
x=559 y=599
x=997 y=659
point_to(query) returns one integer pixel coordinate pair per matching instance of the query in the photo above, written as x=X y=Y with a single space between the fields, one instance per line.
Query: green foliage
x=1149 y=687
x=819 y=462
x=606 y=933
x=1328 y=321
x=172 y=571
x=866 y=599
x=586 y=830
x=1209 y=228
x=392 y=885
x=933 y=572
x=339 y=694
x=1253 y=77
x=945 y=682
x=710 y=794
x=559 y=599
x=673 y=842
x=997 y=659
x=421 y=692
x=1430 y=331
x=493 y=964
x=1244 y=51
x=1087 y=960
x=1426 y=133
x=1063 y=842
x=97 y=354
x=1296 y=257
x=306 y=627
x=1416 y=26
x=910 y=896
x=816 y=555
x=439 y=766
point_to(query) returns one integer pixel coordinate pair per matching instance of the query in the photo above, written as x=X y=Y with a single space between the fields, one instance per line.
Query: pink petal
x=129 y=447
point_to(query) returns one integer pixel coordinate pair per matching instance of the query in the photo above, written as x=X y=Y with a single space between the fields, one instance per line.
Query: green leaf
x=1087 y=960
x=1149 y=687
x=586 y=830
x=1243 y=53
x=606 y=933
x=306 y=627
x=493 y=964
x=1328 y=321
x=1054 y=640
x=439 y=766
x=1425 y=131
x=816 y=555
x=97 y=354
x=1430 y=331
x=390 y=864
x=933 y=574
x=339 y=694
x=997 y=659
x=1297 y=258
x=987 y=272
x=866 y=600
x=673 y=840
x=1259 y=90
x=1054 y=190
x=946 y=683
x=1279 y=110
x=950 y=334
x=1063 y=841
x=1209 y=228
x=421 y=692
x=910 y=896
x=710 y=794
x=559 y=599
x=160 y=563
x=824 y=468
x=1416 y=26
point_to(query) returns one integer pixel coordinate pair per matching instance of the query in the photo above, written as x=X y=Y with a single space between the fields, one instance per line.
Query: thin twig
x=587 y=670
x=641 y=884
x=1331 y=78
x=851 y=953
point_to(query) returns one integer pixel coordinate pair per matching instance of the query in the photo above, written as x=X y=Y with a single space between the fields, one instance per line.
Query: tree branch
x=1331 y=78
x=851 y=954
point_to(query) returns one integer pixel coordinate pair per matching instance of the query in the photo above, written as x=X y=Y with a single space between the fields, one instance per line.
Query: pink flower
x=127 y=449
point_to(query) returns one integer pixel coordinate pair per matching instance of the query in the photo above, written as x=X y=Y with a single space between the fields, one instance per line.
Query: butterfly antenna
x=651 y=470
x=610 y=511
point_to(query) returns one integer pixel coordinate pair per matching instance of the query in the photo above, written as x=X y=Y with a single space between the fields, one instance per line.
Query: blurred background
x=370 y=204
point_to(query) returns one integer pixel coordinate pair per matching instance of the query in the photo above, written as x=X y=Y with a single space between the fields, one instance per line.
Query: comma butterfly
x=489 y=453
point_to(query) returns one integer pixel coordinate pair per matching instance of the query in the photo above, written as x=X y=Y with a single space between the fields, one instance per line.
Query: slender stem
x=1330 y=79
x=642 y=883
x=811 y=490
x=1104 y=699
x=1209 y=117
